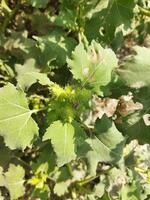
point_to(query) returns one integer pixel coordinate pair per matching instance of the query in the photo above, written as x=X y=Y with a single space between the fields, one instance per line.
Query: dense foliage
x=75 y=99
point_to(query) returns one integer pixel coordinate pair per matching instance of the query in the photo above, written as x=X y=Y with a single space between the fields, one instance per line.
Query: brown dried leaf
x=101 y=106
x=126 y=105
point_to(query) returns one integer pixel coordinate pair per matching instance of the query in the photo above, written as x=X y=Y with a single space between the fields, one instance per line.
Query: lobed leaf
x=107 y=144
x=93 y=66
x=14 y=183
x=16 y=124
x=28 y=74
x=62 y=139
x=135 y=70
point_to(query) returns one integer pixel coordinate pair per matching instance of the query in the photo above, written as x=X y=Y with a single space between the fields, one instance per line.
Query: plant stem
x=144 y=11
x=43 y=145
x=83 y=189
x=39 y=110
x=69 y=169
x=88 y=180
x=22 y=162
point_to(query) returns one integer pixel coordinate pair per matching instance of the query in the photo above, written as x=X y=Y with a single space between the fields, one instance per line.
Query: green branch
x=90 y=179
x=144 y=11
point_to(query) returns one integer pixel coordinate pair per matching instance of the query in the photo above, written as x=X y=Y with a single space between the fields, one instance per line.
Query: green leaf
x=105 y=197
x=46 y=162
x=81 y=146
x=134 y=127
x=61 y=187
x=104 y=24
x=63 y=182
x=41 y=194
x=55 y=48
x=93 y=66
x=68 y=14
x=21 y=47
x=135 y=70
x=107 y=144
x=13 y=180
x=5 y=154
x=16 y=124
x=28 y=74
x=133 y=189
x=40 y=22
x=99 y=189
x=62 y=139
x=95 y=6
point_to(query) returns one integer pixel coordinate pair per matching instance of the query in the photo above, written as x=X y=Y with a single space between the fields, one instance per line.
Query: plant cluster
x=74 y=99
